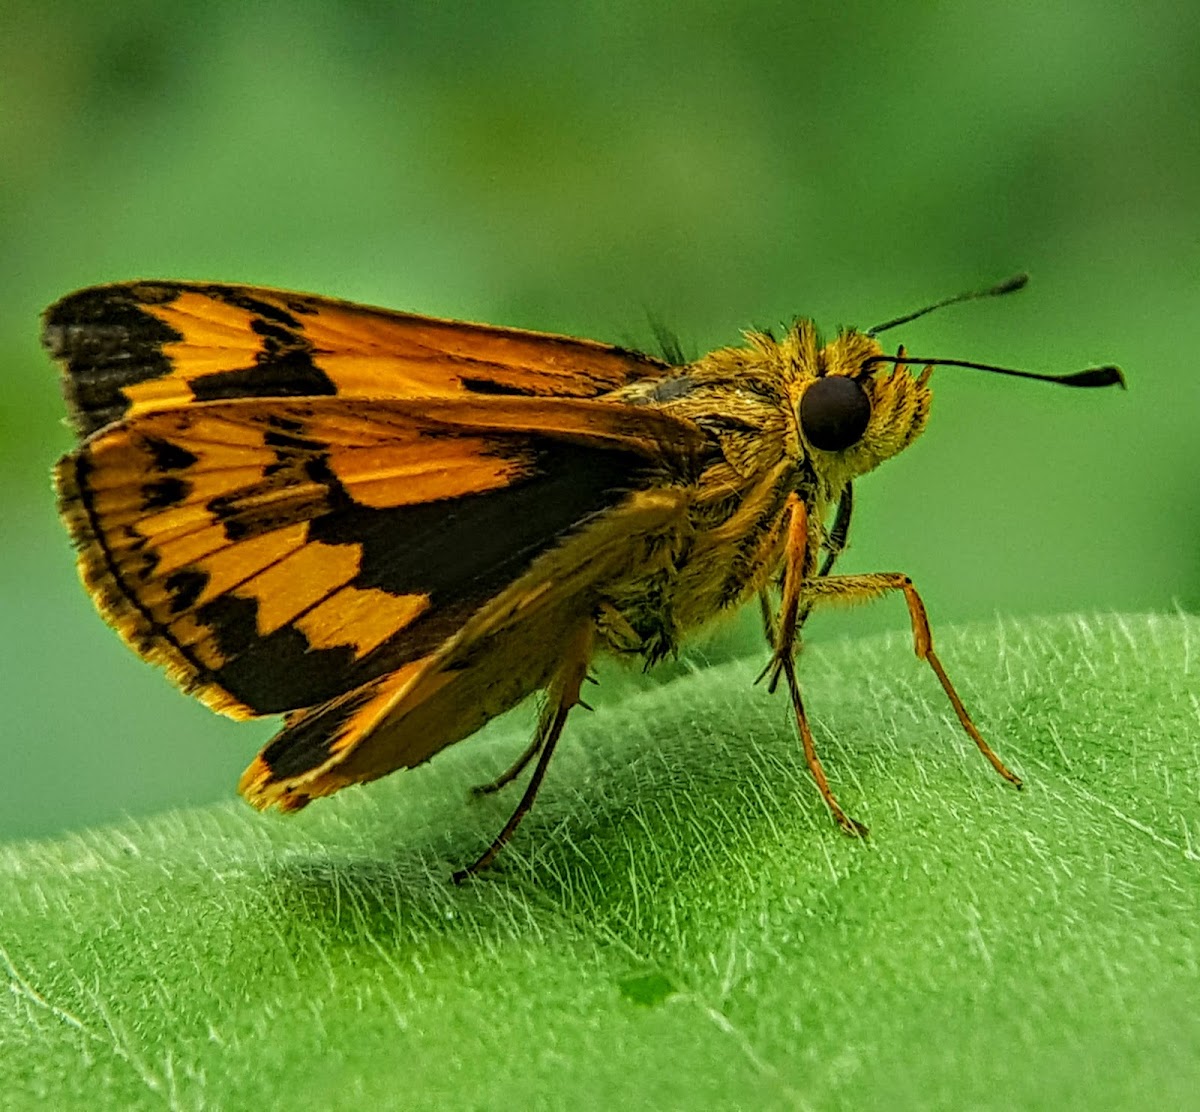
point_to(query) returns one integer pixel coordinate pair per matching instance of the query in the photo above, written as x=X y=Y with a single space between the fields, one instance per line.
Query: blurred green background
x=575 y=168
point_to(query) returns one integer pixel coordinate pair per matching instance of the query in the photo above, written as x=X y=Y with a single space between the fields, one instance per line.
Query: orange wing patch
x=300 y=764
x=361 y=618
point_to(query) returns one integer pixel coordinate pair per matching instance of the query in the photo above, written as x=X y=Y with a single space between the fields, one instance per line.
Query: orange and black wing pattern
x=283 y=498
x=140 y=347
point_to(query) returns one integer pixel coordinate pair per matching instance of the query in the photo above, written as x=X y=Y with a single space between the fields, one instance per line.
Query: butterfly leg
x=518 y=766
x=767 y=610
x=851 y=826
x=860 y=588
x=835 y=543
x=563 y=694
x=781 y=632
x=613 y=627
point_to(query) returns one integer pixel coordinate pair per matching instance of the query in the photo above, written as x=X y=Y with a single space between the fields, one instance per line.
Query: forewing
x=141 y=347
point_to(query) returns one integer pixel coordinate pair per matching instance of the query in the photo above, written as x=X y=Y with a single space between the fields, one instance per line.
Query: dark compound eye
x=834 y=413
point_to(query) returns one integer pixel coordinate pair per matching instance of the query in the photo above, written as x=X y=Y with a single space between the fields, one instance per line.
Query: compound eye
x=834 y=413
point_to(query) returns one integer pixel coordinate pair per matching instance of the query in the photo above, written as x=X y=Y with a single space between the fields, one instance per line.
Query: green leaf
x=678 y=924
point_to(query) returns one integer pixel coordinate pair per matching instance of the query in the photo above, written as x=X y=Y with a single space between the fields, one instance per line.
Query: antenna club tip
x=1011 y=285
x=1097 y=376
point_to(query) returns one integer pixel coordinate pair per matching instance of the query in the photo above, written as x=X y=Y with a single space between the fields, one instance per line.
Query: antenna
x=1093 y=376
x=1009 y=285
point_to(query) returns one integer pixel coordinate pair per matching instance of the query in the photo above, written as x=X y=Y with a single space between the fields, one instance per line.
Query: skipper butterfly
x=391 y=528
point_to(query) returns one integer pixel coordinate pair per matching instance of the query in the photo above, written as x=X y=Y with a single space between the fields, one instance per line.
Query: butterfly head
x=854 y=410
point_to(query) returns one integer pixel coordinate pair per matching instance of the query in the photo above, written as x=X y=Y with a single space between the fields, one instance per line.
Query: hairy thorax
x=728 y=541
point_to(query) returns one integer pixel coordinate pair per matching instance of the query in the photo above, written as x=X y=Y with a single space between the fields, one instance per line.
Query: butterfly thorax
x=731 y=544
